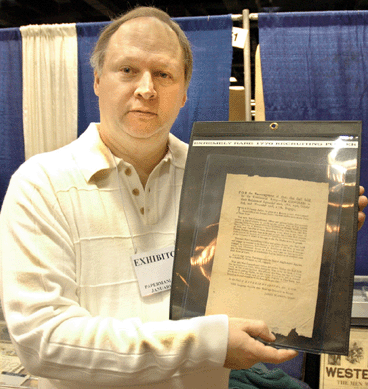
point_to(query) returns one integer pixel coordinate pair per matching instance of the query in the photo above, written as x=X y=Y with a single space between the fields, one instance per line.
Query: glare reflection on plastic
x=204 y=258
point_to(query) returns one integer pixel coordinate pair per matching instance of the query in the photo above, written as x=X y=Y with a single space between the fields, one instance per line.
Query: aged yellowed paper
x=269 y=248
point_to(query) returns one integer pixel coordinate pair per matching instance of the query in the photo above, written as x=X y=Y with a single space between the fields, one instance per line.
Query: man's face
x=141 y=88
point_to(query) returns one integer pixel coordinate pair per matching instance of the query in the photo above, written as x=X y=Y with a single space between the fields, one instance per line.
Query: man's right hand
x=243 y=350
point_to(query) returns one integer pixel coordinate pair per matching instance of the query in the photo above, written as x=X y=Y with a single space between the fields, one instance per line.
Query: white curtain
x=50 y=86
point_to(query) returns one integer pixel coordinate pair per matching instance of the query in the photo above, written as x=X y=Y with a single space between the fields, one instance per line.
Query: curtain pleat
x=50 y=87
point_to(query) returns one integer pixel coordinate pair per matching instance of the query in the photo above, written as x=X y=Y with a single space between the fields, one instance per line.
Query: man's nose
x=146 y=88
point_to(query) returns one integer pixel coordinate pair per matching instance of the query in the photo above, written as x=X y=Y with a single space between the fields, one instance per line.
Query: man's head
x=99 y=53
x=140 y=82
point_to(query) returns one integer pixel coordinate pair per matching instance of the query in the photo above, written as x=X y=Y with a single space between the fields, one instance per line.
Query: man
x=73 y=218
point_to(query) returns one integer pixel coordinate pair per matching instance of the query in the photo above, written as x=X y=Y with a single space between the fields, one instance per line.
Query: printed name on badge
x=154 y=270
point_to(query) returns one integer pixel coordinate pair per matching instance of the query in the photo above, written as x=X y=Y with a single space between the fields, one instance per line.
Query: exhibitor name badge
x=154 y=270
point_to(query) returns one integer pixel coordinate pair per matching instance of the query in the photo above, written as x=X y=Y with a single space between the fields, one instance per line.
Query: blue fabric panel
x=208 y=93
x=11 y=127
x=87 y=100
x=315 y=67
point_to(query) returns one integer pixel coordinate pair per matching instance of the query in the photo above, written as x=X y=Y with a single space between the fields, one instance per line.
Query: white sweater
x=69 y=290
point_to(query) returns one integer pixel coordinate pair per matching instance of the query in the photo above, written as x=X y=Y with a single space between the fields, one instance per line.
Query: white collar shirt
x=69 y=290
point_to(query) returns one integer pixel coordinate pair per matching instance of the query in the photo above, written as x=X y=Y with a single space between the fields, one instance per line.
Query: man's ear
x=184 y=99
x=96 y=83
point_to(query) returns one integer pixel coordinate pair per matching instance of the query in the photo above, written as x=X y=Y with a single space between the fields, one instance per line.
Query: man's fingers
x=362 y=203
x=259 y=329
x=244 y=350
x=255 y=328
x=272 y=355
x=251 y=351
x=361 y=219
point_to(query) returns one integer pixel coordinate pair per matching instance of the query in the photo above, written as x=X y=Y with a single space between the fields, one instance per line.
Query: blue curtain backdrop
x=315 y=67
x=11 y=123
x=208 y=94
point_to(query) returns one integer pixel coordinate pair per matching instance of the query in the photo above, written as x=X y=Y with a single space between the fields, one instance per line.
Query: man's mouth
x=143 y=112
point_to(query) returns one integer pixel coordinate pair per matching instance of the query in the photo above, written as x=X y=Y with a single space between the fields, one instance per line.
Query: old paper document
x=268 y=255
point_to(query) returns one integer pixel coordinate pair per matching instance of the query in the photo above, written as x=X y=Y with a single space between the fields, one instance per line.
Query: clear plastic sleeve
x=305 y=152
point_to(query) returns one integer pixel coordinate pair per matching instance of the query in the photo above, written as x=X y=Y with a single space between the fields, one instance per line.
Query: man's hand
x=362 y=202
x=243 y=351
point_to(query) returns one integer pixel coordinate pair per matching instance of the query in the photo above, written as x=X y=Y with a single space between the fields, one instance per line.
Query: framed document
x=267 y=228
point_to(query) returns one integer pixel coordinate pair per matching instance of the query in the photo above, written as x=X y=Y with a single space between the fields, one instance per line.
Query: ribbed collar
x=92 y=155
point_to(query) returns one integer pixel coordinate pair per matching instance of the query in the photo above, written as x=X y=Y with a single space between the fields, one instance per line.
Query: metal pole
x=247 y=73
x=239 y=17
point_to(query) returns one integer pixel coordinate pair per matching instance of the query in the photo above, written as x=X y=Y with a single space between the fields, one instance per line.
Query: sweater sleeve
x=57 y=338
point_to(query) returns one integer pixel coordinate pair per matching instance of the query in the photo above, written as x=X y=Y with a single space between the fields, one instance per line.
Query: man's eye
x=129 y=71
x=164 y=75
